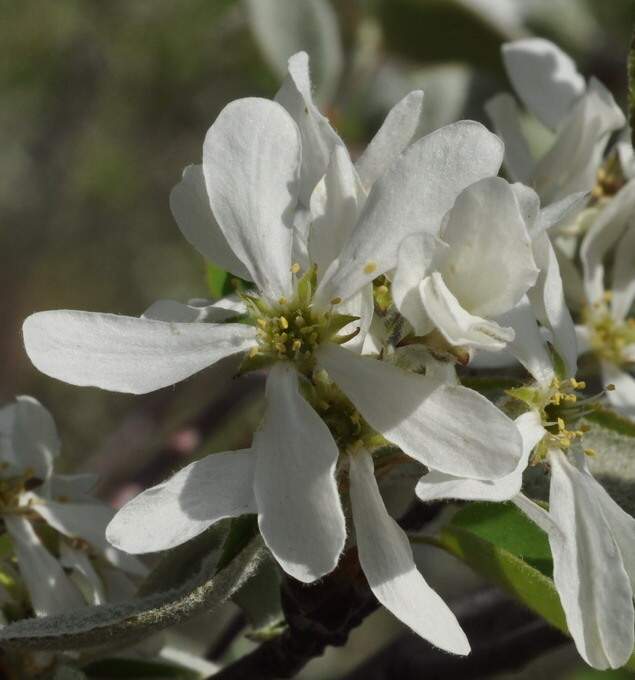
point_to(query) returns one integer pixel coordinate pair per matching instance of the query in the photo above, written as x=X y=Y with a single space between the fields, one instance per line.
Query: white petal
x=412 y=196
x=50 y=589
x=544 y=77
x=623 y=396
x=447 y=427
x=335 y=206
x=386 y=558
x=528 y=203
x=28 y=438
x=489 y=266
x=217 y=312
x=548 y=301
x=571 y=163
x=505 y=116
x=589 y=573
x=190 y=206
x=562 y=211
x=458 y=326
x=173 y=512
x=318 y=137
x=605 y=231
x=439 y=486
x=78 y=561
x=624 y=274
x=538 y=515
x=528 y=345
x=419 y=254
x=300 y=514
x=401 y=128
x=127 y=354
x=251 y=163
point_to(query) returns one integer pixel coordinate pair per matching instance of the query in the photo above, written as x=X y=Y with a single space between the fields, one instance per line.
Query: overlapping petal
x=300 y=514
x=171 y=513
x=251 y=164
x=386 y=558
x=446 y=427
x=412 y=196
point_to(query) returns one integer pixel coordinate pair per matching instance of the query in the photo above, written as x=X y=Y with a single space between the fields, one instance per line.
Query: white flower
x=478 y=268
x=581 y=117
x=245 y=203
x=32 y=493
x=590 y=536
x=609 y=329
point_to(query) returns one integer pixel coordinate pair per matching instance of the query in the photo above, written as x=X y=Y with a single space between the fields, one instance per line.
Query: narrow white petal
x=489 y=266
x=439 y=486
x=561 y=212
x=251 y=163
x=623 y=396
x=604 y=233
x=447 y=427
x=50 y=589
x=79 y=562
x=190 y=206
x=528 y=345
x=402 y=127
x=548 y=301
x=195 y=310
x=458 y=326
x=318 y=137
x=300 y=514
x=335 y=206
x=538 y=515
x=589 y=573
x=505 y=116
x=127 y=354
x=544 y=77
x=419 y=254
x=173 y=512
x=571 y=163
x=28 y=438
x=412 y=196
x=386 y=558
x=624 y=274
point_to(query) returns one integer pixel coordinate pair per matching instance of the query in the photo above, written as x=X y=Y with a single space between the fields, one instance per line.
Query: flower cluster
x=368 y=286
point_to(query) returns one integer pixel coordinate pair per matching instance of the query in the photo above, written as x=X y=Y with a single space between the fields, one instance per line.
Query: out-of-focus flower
x=80 y=566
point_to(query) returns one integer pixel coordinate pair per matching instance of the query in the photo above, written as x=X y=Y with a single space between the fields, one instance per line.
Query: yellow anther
x=336 y=300
x=296 y=345
x=370 y=267
x=610 y=387
x=283 y=323
x=262 y=323
x=295 y=268
x=561 y=425
x=578 y=384
x=253 y=352
x=382 y=289
x=590 y=452
x=565 y=443
x=299 y=321
x=283 y=301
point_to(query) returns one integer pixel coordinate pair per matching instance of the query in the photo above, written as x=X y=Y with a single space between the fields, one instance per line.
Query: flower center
x=609 y=338
x=293 y=329
x=13 y=488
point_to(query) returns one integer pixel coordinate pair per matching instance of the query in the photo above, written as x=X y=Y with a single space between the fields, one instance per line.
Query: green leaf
x=610 y=420
x=500 y=545
x=111 y=669
x=504 y=525
x=219 y=282
x=127 y=622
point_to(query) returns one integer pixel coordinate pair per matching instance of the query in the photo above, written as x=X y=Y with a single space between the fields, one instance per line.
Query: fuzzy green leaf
x=127 y=622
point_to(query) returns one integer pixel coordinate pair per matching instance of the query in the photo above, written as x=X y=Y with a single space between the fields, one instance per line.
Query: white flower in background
x=85 y=568
x=591 y=538
x=241 y=210
x=609 y=328
x=581 y=117
x=479 y=267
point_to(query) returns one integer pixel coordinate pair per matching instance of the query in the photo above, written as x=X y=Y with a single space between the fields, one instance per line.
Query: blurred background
x=104 y=103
